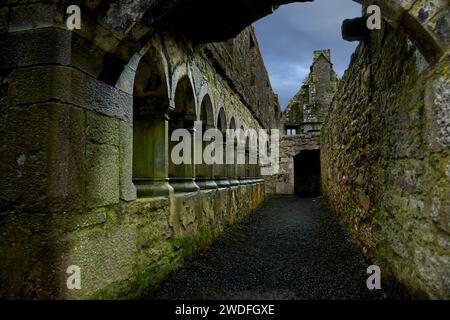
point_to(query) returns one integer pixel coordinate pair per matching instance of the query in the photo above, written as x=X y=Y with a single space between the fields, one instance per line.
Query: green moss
x=141 y=284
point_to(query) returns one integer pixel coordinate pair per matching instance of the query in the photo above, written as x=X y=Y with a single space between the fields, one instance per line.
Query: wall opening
x=232 y=169
x=220 y=170
x=205 y=172
x=307 y=173
x=150 y=103
x=182 y=175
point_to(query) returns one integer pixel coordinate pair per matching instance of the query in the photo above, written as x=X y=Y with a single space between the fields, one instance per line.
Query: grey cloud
x=289 y=36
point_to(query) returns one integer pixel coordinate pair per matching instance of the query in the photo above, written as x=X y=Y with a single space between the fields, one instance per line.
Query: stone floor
x=291 y=248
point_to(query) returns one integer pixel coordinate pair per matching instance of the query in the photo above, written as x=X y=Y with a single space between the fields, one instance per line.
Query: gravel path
x=291 y=248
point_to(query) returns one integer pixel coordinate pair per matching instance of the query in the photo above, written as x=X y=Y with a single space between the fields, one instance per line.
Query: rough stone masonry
x=385 y=155
x=86 y=115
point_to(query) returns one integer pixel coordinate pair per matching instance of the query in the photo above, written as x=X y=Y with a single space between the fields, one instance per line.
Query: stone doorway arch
x=307 y=173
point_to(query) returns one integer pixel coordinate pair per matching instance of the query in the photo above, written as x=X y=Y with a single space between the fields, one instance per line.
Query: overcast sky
x=288 y=37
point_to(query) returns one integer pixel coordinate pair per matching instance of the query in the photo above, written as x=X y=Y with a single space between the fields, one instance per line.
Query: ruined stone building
x=301 y=124
x=86 y=118
x=307 y=110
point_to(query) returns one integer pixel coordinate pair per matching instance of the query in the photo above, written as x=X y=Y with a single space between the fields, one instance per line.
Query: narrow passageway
x=291 y=248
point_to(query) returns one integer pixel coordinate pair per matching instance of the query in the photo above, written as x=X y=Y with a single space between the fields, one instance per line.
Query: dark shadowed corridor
x=291 y=248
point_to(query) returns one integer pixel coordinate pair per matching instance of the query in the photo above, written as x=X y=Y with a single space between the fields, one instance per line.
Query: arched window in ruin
x=220 y=170
x=183 y=116
x=205 y=172
x=150 y=134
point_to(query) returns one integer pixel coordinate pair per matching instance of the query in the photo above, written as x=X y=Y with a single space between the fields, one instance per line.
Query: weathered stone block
x=44 y=83
x=34 y=47
x=29 y=268
x=50 y=46
x=34 y=16
x=145 y=209
x=406 y=175
x=77 y=221
x=433 y=272
x=183 y=219
x=66 y=156
x=102 y=175
x=437 y=103
x=24 y=158
x=101 y=129
x=104 y=257
x=127 y=188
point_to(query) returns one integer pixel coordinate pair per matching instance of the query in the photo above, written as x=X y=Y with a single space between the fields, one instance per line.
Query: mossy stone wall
x=386 y=160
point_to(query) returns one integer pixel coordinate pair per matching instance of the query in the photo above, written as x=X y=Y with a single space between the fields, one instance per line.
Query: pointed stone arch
x=205 y=172
x=221 y=122
x=206 y=111
x=183 y=116
x=146 y=76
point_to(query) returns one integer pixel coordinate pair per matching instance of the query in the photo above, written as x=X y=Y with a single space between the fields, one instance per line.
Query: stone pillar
x=182 y=176
x=245 y=175
x=64 y=128
x=233 y=168
x=241 y=167
x=205 y=172
x=252 y=167
x=259 y=177
x=256 y=170
x=220 y=170
x=151 y=156
x=66 y=148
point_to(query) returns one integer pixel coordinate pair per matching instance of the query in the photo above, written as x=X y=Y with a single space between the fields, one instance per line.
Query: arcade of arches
x=86 y=176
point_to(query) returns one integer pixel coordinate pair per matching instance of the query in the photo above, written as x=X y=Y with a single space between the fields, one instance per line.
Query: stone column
x=220 y=170
x=65 y=128
x=151 y=156
x=245 y=177
x=252 y=167
x=241 y=167
x=66 y=149
x=205 y=172
x=182 y=176
x=259 y=177
x=233 y=168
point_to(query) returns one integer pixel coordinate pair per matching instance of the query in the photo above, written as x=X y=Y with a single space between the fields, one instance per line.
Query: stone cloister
x=87 y=116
